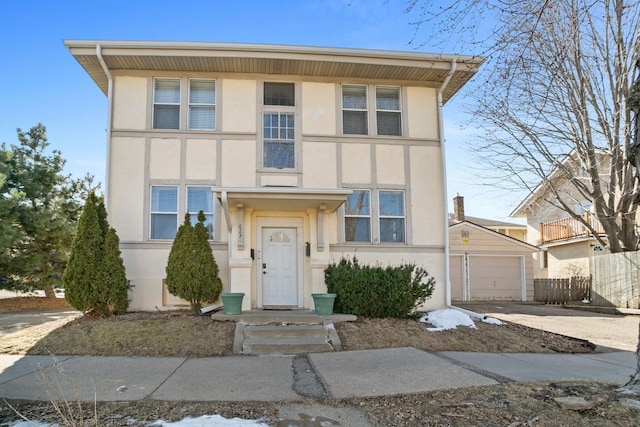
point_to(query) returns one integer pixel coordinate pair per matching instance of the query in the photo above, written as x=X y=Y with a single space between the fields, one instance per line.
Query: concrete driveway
x=12 y=322
x=609 y=332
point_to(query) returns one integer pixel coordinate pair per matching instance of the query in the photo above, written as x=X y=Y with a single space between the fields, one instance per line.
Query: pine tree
x=207 y=273
x=113 y=286
x=83 y=268
x=95 y=279
x=192 y=273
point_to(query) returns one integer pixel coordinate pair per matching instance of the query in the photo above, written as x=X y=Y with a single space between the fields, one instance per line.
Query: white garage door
x=495 y=277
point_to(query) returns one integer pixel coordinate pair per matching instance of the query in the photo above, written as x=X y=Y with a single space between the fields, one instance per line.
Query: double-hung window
x=164 y=212
x=388 y=113
x=201 y=199
x=202 y=104
x=391 y=205
x=354 y=110
x=166 y=103
x=166 y=207
x=357 y=217
x=279 y=126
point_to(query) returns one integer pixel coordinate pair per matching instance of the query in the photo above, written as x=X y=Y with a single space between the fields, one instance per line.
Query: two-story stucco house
x=298 y=156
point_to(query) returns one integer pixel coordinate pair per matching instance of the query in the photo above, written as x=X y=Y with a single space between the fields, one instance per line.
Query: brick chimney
x=458 y=208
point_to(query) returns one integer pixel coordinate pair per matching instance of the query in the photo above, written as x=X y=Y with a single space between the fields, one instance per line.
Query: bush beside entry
x=369 y=291
x=192 y=272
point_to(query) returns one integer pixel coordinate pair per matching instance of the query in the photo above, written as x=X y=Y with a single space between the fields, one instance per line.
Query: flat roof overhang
x=284 y=198
x=424 y=69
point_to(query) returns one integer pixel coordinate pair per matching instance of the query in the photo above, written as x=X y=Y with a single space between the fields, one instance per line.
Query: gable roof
x=426 y=69
x=494 y=233
x=484 y=222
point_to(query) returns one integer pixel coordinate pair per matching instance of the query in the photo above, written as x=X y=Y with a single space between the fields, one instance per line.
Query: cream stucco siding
x=239 y=165
x=390 y=164
x=356 y=164
x=164 y=159
x=129 y=102
x=126 y=188
x=318 y=109
x=319 y=161
x=238 y=103
x=201 y=159
x=422 y=114
x=427 y=196
x=569 y=260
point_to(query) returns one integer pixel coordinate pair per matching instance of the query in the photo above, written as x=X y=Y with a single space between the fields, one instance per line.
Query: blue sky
x=40 y=82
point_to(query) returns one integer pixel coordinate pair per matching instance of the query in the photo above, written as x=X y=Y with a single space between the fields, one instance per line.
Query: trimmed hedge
x=375 y=291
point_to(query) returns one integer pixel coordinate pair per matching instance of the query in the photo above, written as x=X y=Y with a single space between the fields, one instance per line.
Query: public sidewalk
x=291 y=378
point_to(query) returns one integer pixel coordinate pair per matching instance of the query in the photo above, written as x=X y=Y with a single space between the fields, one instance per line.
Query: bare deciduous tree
x=554 y=106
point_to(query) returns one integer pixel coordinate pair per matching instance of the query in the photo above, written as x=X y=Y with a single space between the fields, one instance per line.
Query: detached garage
x=486 y=265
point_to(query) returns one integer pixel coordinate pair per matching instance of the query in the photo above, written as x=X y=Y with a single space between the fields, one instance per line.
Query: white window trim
x=365 y=110
x=399 y=110
x=152 y=212
x=370 y=216
x=214 y=105
x=403 y=217
x=270 y=109
x=212 y=237
x=153 y=110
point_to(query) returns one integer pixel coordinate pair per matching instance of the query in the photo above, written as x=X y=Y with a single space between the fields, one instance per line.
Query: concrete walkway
x=292 y=378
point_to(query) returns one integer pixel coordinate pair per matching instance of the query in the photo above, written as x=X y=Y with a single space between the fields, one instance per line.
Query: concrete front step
x=274 y=332
x=285 y=339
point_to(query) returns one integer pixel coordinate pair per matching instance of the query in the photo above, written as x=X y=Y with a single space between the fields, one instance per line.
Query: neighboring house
x=566 y=245
x=298 y=156
x=485 y=264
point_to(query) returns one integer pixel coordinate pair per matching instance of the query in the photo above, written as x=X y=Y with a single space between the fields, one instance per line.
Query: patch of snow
x=447 y=319
x=586 y=301
x=29 y=424
x=210 y=420
x=492 y=321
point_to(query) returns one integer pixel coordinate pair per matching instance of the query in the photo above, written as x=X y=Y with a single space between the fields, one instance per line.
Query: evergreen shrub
x=192 y=271
x=376 y=291
x=95 y=280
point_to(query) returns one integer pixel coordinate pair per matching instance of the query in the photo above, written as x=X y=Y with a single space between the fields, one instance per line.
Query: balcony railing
x=569 y=228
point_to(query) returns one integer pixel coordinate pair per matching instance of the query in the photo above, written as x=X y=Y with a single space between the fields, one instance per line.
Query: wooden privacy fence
x=616 y=280
x=561 y=291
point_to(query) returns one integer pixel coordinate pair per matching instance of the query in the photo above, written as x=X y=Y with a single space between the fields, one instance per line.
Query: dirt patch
x=27 y=303
x=503 y=405
x=180 y=334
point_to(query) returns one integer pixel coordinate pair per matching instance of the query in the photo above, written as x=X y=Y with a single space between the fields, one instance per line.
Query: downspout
x=447 y=278
x=109 y=121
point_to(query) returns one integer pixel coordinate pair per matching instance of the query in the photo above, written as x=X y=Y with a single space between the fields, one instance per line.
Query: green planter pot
x=323 y=303
x=232 y=302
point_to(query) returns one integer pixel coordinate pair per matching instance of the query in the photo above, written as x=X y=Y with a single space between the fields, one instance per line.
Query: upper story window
x=279 y=126
x=354 y=110
x=388 y=110
x=166 y=104
x=356 y=104
x=357 y=217
x=202 y=104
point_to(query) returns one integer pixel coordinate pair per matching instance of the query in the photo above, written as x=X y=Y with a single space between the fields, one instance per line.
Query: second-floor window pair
x=167 y=100
x=355 y=110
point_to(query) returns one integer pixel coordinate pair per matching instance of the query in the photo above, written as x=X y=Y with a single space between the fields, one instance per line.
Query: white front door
x=279 y=267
